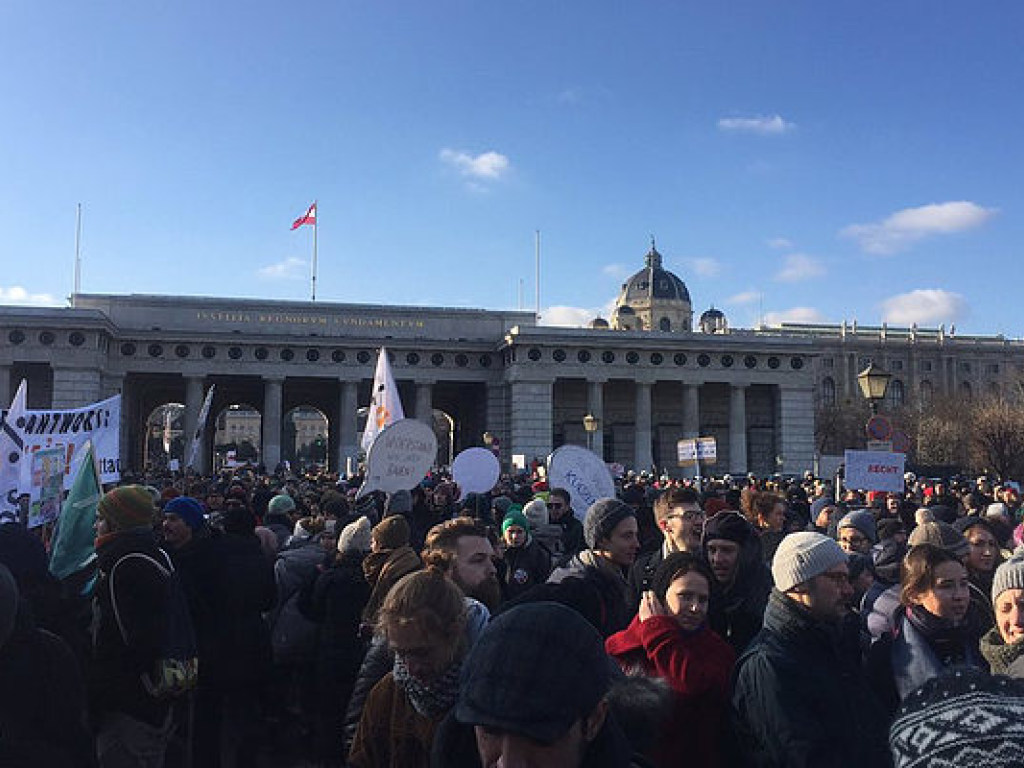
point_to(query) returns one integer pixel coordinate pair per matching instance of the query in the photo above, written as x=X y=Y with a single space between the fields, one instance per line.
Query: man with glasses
x=800 y=698
x=679 y=517
x=560 y=513
x=857 y=532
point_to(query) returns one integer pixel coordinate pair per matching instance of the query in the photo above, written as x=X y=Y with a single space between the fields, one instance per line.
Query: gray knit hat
x=864 y=521
x=941 y=535
x=601 y=519
x=802 y=556
x=1009 y=575
x=355 y=537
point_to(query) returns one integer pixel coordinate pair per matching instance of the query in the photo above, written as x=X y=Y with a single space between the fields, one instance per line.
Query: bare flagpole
x=537 y=277
x=78 y=255
x=316 y=223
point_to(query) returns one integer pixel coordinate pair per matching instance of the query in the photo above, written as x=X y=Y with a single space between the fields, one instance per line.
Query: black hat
x=731 y=526
x=532 y=645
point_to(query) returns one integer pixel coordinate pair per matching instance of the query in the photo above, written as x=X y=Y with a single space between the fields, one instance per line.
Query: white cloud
x=574 y=317
x=799 y=266
x=794 y=315
x=292 y=268
x=18 y=295
x=903 y=228
x=488 y=166
x=762 y=124
x=745 y=297
x=705 y=266
x=780 y=243
x=925 y=306
x=618 y=271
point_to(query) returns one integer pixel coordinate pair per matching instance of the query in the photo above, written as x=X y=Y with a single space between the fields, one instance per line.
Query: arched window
x=896 y=393
x=665 y=324
x=965 y=390
x=828 y=392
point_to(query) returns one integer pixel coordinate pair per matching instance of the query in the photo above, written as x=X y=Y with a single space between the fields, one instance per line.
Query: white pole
x=316 y=224
x=537 y=277
x=78 y=255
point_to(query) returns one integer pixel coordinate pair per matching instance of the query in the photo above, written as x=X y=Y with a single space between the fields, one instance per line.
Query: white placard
x=583 y=474
x=401 y=456
x=475 y=470
x=874 y=471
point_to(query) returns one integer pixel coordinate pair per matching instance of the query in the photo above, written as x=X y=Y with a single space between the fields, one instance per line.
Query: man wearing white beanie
x=800 y=696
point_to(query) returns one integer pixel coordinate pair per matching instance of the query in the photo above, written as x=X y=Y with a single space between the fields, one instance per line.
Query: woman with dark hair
x=931 y=633
x=669 y=638
x=766 y=511
x=983 y=557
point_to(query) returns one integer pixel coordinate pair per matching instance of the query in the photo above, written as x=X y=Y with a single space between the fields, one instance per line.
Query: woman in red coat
x=669 y=638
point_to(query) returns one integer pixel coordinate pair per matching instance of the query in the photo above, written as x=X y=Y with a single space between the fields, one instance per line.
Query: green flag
x=74 y=545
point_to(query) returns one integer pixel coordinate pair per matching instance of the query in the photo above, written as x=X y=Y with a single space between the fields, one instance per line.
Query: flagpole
x=537 y=277
x=316 y=219
x=78 y=255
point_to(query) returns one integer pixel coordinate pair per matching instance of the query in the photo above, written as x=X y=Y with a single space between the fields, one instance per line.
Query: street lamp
x=488 y=439
x=590 y=423
x=873 y=383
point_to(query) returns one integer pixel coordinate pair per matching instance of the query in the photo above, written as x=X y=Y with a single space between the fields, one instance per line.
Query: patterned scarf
x=431 y=700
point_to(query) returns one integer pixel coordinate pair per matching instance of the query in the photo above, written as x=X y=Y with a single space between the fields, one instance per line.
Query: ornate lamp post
x=873 y=382
x=591 y=424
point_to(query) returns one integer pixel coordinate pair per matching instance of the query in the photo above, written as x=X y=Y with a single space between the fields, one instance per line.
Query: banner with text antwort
x=68 y=430
x=874 y=471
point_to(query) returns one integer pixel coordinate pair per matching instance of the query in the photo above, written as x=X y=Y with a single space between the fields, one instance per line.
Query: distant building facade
x=648 y=375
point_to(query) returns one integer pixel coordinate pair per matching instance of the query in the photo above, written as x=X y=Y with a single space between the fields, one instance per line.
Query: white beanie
x=355 y=537
x=537 y=513
x=802 y=556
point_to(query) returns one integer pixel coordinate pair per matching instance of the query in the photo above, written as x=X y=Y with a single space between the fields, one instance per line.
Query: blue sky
x=800 y=159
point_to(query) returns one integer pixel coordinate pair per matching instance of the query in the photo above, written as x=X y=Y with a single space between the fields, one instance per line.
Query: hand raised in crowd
x=650 y=605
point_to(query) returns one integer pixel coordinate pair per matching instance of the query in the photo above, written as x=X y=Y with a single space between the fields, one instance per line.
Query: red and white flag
x=309 y=217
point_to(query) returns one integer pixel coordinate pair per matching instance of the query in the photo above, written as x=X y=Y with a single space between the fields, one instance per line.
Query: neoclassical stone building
x=648 y=376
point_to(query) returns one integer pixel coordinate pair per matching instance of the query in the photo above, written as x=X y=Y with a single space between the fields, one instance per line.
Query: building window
x=828 y=392
x=895 y=365
x=965 y=367
x=828 y=362
x=965 y=390
x=926 y=366
x=926 y=392
x=896 y=393
x=665 y=324
x=993 y=367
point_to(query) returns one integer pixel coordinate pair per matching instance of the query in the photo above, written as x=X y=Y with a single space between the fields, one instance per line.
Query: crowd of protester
x=251 y=619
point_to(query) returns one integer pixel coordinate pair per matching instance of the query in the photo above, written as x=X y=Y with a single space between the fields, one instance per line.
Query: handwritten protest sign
x=475 y=470
x=581 y=472
x=400 y=457
x=874 y=471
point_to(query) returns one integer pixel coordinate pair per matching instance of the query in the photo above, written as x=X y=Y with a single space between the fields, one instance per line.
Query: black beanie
x=731 y=526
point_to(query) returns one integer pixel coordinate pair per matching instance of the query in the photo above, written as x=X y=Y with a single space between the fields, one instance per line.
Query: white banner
x=583 y=474
x=11 y=444
x=874 y=471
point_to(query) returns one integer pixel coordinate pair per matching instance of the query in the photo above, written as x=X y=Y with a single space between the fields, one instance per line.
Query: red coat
x=697 y=666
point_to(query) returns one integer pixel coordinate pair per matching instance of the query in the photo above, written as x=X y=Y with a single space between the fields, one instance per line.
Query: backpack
x=176 y=672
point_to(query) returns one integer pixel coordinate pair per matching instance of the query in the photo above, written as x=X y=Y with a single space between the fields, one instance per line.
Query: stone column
x=347 y=431
x=595 y=407
x=193 y=404
x=691 y=410
x=738 y=429
x=5 y=386
x=272 y=416
x=531 y=419
x=425 y=401
x=795 y=429
x=642 y=456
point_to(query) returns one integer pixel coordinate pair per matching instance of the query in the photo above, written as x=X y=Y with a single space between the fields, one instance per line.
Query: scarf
x=947 y=639
x=431 y=700
x=1000 y=656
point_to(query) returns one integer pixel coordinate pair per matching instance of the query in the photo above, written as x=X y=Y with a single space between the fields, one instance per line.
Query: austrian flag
x=309 y=217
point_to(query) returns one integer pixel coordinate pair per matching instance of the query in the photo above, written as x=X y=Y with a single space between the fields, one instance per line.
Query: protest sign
x=475 y=470
x=47 y=486
x=874 y=471
x=401 y=455
x=581 y=472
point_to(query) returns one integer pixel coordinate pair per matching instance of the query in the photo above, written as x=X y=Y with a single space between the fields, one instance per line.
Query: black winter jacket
x=800 y=698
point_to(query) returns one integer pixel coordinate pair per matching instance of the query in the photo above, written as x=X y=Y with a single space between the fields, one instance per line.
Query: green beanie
x=515 y=516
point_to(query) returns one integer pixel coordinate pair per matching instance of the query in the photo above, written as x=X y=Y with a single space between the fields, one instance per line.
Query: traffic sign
x=878 y=428
x=692 y=450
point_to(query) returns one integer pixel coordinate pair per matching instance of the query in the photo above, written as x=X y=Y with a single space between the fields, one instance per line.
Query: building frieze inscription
x=323 y=321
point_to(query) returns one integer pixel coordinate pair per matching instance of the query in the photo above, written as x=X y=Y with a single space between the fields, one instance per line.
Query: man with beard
x=679 y=517
x=799 y=697
x=742 y=581
x=461 y=549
